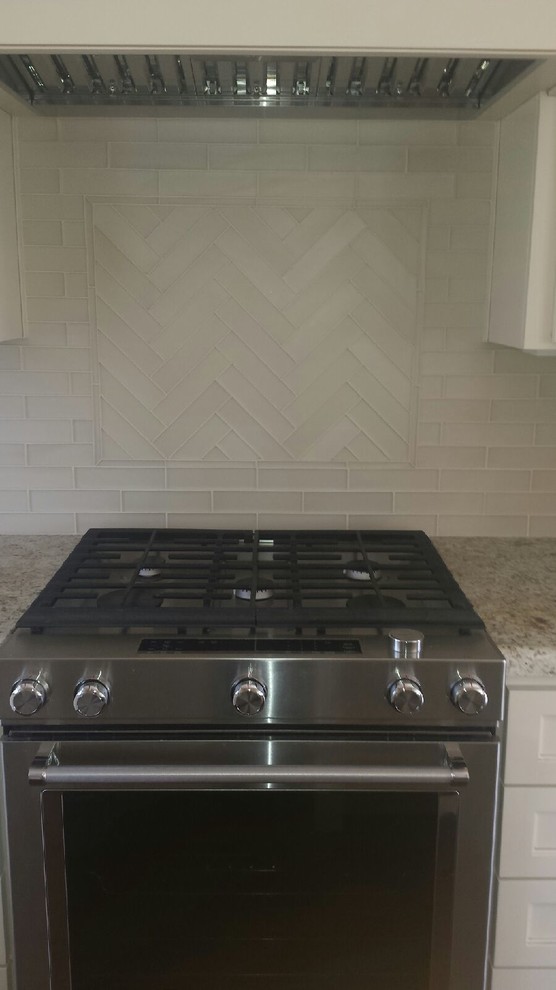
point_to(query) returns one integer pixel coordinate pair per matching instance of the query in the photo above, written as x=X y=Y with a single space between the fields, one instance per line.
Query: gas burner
x=243 y=592
x=374 y=601
x=149 y=572
x=358 y=570
x=128 y=599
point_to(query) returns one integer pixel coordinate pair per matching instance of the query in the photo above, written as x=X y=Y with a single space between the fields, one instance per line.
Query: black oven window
x=250 y=890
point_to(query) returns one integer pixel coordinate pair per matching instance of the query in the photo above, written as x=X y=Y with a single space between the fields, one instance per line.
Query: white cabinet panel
x=531 y=742
x=524 y=263
x=246 y=24
x=528 y=847
x=523 y=979
x=526 y=924
x=11 y=324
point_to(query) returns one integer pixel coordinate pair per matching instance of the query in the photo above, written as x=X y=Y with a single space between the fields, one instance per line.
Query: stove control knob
x=28 y=695
x=406 y=696
x=90 y=698
x=248 y=696
x=469 y=695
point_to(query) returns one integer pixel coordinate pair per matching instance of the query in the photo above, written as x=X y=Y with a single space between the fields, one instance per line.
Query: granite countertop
x=510 y=581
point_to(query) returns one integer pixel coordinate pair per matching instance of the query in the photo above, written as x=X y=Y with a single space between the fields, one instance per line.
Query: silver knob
x=406 y=644
x=90 y=698
x=469 y=695
x=248 y=696
x=406 y=696
x=28 y=695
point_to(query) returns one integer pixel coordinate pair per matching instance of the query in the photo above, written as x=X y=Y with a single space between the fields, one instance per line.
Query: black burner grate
x=242 y=579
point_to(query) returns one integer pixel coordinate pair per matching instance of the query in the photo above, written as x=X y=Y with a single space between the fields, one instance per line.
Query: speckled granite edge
x=512 y=584
x=26 y=564
x=510 y=581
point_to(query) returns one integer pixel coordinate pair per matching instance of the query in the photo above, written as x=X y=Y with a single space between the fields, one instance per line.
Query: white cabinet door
x=528 y=846
x=531 y=741
x=526 y=924
x=523 y=979
x=11 y=324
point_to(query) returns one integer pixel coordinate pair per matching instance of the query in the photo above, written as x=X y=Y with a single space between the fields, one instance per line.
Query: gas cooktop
x=210 y=579
x=302 y=628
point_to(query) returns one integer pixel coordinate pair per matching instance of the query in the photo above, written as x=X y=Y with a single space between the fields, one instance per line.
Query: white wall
x=485 y=460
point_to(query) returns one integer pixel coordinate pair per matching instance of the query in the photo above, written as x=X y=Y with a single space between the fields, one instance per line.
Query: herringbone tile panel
x=256 y=333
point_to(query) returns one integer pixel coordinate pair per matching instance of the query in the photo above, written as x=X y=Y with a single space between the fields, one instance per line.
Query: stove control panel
x=406 y=696
x=469 y=695
x=90 y=697
x=28 y=695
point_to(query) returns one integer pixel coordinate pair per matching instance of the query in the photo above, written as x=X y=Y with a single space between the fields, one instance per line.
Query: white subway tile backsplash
x=35 y=431
x=350 y=158
x=308 y=131
x=324 y=479
x=491 y=386
x=51 y=358
x=488 y=481
x=47 y=334
x=25 y=523
x=477 y=132
x=545 y=434
x=325 y=188
x=522 y=457
x=91 y=128
x=55 y=259
x=439 y=503
x=482 y=526
x=31 y=127
x=153 y=155
x=51 y=207
x=73 y=233
x=542 y=526
x=451 y=457
x=180 y=501
x=108 y=182
x=10 y=357
x=43 y=284
x=63 y=154
x=47 y=454
x=443 y=159
x=198 y=184
x=212 y=129
x=257 y=501
x=74 y=501
x=407 y=132
x=257 y=156
x=58 y=407
x=138 y=478
x=13 y=501
x=132 y=520
x=486 y=428
x=392 y=185
x=12 y=453
x=39 y=180
x=33 y=383
x=41 y=232
x=57 y=310
x=490 y=434
x=366 y=502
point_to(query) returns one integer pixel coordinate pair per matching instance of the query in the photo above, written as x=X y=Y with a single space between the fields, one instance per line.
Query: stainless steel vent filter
x=265 y=82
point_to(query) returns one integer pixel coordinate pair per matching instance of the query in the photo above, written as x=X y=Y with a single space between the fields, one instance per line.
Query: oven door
x=284 y=864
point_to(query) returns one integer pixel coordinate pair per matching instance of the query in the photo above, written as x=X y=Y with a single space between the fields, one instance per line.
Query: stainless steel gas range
x=251 y=759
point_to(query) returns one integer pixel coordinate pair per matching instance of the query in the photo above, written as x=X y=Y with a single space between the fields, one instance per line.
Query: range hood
x=302 y=84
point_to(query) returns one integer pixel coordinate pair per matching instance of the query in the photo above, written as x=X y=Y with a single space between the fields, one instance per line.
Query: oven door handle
x=47 y=771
